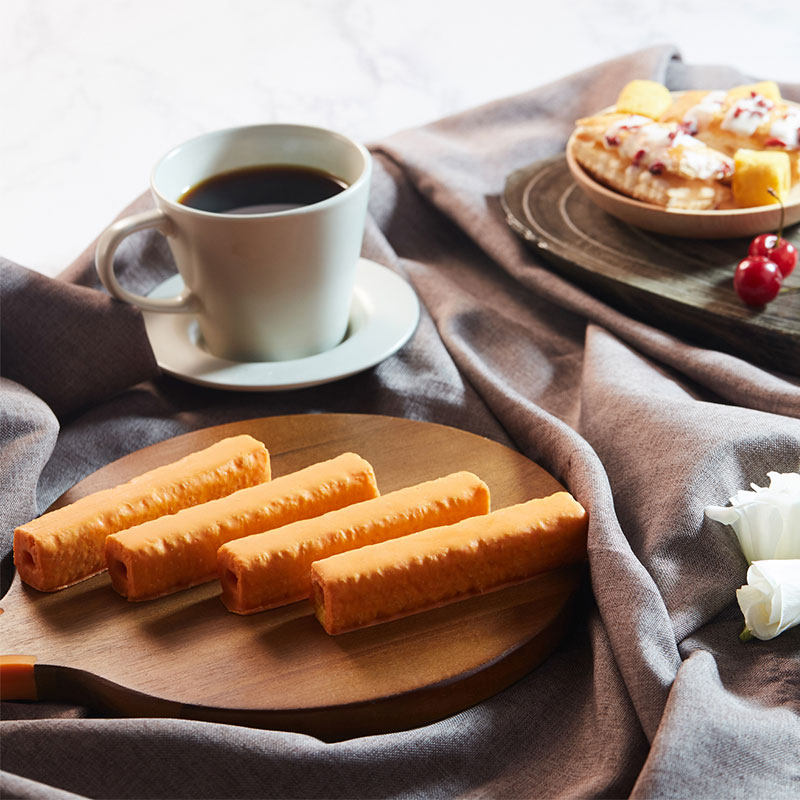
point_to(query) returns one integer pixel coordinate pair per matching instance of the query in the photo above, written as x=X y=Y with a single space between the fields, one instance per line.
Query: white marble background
x=92 y=92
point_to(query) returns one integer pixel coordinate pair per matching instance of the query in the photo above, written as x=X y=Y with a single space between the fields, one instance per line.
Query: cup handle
x=107 y=246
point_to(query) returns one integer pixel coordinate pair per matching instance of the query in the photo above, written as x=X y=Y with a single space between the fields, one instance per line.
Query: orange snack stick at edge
x=441 y=565
x=64 y=546
x=274 y=568
x=172 y=553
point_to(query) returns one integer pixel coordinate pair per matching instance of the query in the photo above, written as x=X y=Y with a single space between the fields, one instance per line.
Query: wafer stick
x=65 y=546
x=441 y=565
x=172 y=553
x=274 y=568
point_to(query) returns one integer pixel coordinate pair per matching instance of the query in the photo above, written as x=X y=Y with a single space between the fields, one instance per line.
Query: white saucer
x=383 y=315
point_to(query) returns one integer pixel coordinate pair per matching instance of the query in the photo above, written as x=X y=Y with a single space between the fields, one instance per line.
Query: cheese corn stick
x=440 y=565
x=172 y=553
x=274 y=568
x=64 y=546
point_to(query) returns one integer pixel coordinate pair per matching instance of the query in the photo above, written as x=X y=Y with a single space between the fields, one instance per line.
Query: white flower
x=770 y=601
x=766 y=520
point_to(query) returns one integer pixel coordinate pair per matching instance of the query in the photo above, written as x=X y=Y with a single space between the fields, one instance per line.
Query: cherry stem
x=783 y=211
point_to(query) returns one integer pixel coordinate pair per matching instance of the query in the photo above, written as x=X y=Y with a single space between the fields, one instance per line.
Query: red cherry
x=757 y=280
x=776 y=249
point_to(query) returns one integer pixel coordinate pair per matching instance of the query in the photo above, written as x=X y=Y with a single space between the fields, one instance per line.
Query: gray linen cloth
x=652 y=694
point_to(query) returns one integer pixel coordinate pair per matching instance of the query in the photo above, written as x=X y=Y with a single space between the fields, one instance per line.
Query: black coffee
x=262 y=189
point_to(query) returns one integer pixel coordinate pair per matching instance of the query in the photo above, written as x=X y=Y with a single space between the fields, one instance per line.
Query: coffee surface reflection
x=262 y=189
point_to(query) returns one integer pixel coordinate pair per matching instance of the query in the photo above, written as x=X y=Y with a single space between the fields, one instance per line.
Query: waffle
x=742 y=117
x=652 y=161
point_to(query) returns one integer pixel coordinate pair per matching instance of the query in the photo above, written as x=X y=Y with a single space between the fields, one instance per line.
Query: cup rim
x=363 y=177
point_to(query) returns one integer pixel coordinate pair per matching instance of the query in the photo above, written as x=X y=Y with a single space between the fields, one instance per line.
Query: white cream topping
x=747 y=114
x=700 y=161
x=700 y=115
x=631 y=122
x=786 y=128
x=662 y=147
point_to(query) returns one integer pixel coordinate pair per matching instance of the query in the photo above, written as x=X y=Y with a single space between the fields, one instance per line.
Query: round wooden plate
x=725 y=223
x=714 y=224
x=186 y=656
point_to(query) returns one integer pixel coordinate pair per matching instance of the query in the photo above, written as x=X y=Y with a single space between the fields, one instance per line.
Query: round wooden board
x=186 y=656
x=684 y=286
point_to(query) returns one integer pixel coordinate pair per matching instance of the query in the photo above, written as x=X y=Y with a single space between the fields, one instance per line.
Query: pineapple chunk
x=768 y=89
x=755 y=171
x=794 y=160
x=648 y=98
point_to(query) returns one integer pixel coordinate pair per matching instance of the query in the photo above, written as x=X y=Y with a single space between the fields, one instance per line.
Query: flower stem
x=746 y=635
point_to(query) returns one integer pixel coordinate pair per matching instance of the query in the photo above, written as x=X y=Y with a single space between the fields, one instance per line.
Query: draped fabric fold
x=71 y=345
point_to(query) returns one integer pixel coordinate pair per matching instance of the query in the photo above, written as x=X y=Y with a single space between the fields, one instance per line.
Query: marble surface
x=94 y=92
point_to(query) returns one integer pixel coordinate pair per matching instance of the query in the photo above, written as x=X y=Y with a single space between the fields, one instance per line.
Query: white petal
x=770 y=601
x=789 y=545
x=766 y=528
x=766 y=520
x=725 y=514
x=788 y=482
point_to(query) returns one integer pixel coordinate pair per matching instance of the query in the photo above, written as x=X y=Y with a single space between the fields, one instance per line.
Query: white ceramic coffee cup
x=268 y=286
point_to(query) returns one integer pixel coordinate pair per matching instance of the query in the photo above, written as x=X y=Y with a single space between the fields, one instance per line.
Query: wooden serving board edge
x=698 y=326
x=396 y=713
x=399 y=711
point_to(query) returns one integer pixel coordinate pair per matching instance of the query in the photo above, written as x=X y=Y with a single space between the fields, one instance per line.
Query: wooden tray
x=681 y=285
x=186 y=656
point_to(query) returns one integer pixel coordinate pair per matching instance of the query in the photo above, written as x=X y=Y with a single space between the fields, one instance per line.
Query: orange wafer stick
x=172 y=553
x=274 y=568
x=65 y=546
x=441 y=565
